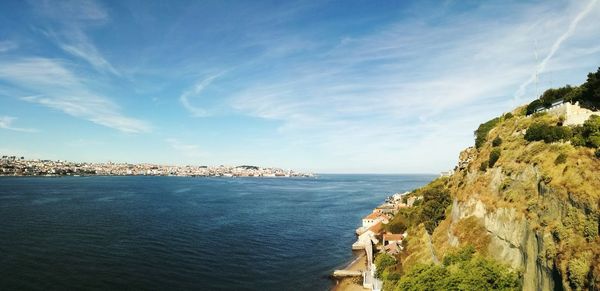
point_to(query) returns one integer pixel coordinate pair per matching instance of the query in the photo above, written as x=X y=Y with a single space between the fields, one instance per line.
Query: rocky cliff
x=535 y=207
x=526 y=195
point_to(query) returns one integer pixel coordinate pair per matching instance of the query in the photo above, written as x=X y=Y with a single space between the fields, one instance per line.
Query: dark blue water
x=164 y=233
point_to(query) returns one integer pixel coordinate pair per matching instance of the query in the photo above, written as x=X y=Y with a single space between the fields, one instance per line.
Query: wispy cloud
x=71 y=10
x=398 y=88
x=59 y=88
x=440 y=77
x=7 y=45
x=68 y=22
x=77 y=44
x=194 y=93
x=6 y=122
x=188 y=150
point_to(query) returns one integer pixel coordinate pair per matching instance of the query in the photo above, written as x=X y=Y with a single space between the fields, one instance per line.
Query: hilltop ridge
x=526 y=196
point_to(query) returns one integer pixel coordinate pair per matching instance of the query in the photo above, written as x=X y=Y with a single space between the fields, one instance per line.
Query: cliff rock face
x=530 y=210
x=512 y=241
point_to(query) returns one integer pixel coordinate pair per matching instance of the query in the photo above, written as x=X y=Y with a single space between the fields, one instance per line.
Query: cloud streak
x=541 y=67
x=80 y=46
x=71 y=19
x=7 y=45
x=6 y=122
x=440 y=78
x=386 y=88
x=58 y=88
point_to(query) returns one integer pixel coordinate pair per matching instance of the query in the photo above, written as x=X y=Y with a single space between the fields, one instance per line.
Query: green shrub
x=494 y=156
x=483 y=130
x=588 y=134
x=531 y=107
x=383 y=261
x=483 y=166
x=560 y=159
x=393 y=276
x=578 y=140
x=578 y=269
x=433 y=210
x=405 y=218
x=497 y=141
x=418 y=203
x=508 y=115
x=592 y=125
x=396 y=226
x=560 y=133
x=590 y=230
x=593 y=140
x=467 y=271
x=462 y=255
x=536 y=131
x=547 y=133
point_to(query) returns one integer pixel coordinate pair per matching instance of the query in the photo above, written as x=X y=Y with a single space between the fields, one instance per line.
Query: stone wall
x=573 y=113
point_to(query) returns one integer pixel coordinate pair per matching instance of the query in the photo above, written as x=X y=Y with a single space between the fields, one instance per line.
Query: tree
x=591 y=88
x=531 y=107
x=574 y=95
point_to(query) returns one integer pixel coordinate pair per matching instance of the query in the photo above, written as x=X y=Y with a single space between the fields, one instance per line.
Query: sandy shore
x=353 y=284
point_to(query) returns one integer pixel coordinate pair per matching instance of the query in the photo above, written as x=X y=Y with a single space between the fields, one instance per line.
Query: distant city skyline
x=315 y=86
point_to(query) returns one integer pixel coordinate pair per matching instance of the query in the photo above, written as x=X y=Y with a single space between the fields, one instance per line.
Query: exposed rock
x=512 y=242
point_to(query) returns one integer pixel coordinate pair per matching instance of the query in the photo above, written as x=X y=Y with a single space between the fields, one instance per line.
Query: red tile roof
x=377 y=228
x=372 y=215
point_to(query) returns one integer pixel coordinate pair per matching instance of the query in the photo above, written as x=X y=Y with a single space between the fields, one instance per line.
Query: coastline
x=352 y=283
x=372 y=238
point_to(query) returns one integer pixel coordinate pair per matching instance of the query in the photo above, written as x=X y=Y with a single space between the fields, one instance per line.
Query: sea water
x=165 y=233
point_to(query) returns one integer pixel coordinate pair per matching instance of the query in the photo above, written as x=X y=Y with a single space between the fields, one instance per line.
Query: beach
x=353 y=283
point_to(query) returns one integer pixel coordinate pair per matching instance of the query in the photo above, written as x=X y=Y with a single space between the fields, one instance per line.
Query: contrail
x=195 y=91
x=542 y=65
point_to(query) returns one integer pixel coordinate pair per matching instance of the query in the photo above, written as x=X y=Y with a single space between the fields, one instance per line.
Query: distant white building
x=573 y=113
x=446 y=173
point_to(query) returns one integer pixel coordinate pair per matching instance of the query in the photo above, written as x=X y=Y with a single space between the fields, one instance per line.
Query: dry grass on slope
x=513 y=181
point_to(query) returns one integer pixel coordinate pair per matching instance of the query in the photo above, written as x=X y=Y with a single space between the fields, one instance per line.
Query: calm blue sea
x=165 y=233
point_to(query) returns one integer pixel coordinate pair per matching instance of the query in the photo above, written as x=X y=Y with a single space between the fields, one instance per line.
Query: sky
x=320 y=86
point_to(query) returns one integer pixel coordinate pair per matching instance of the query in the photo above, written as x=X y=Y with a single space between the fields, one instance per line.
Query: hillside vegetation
x=525 y=200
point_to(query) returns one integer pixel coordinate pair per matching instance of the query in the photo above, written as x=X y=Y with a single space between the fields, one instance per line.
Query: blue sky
x=323 y=86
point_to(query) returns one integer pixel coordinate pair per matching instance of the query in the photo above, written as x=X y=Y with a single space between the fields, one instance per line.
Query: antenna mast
x=537 y=94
